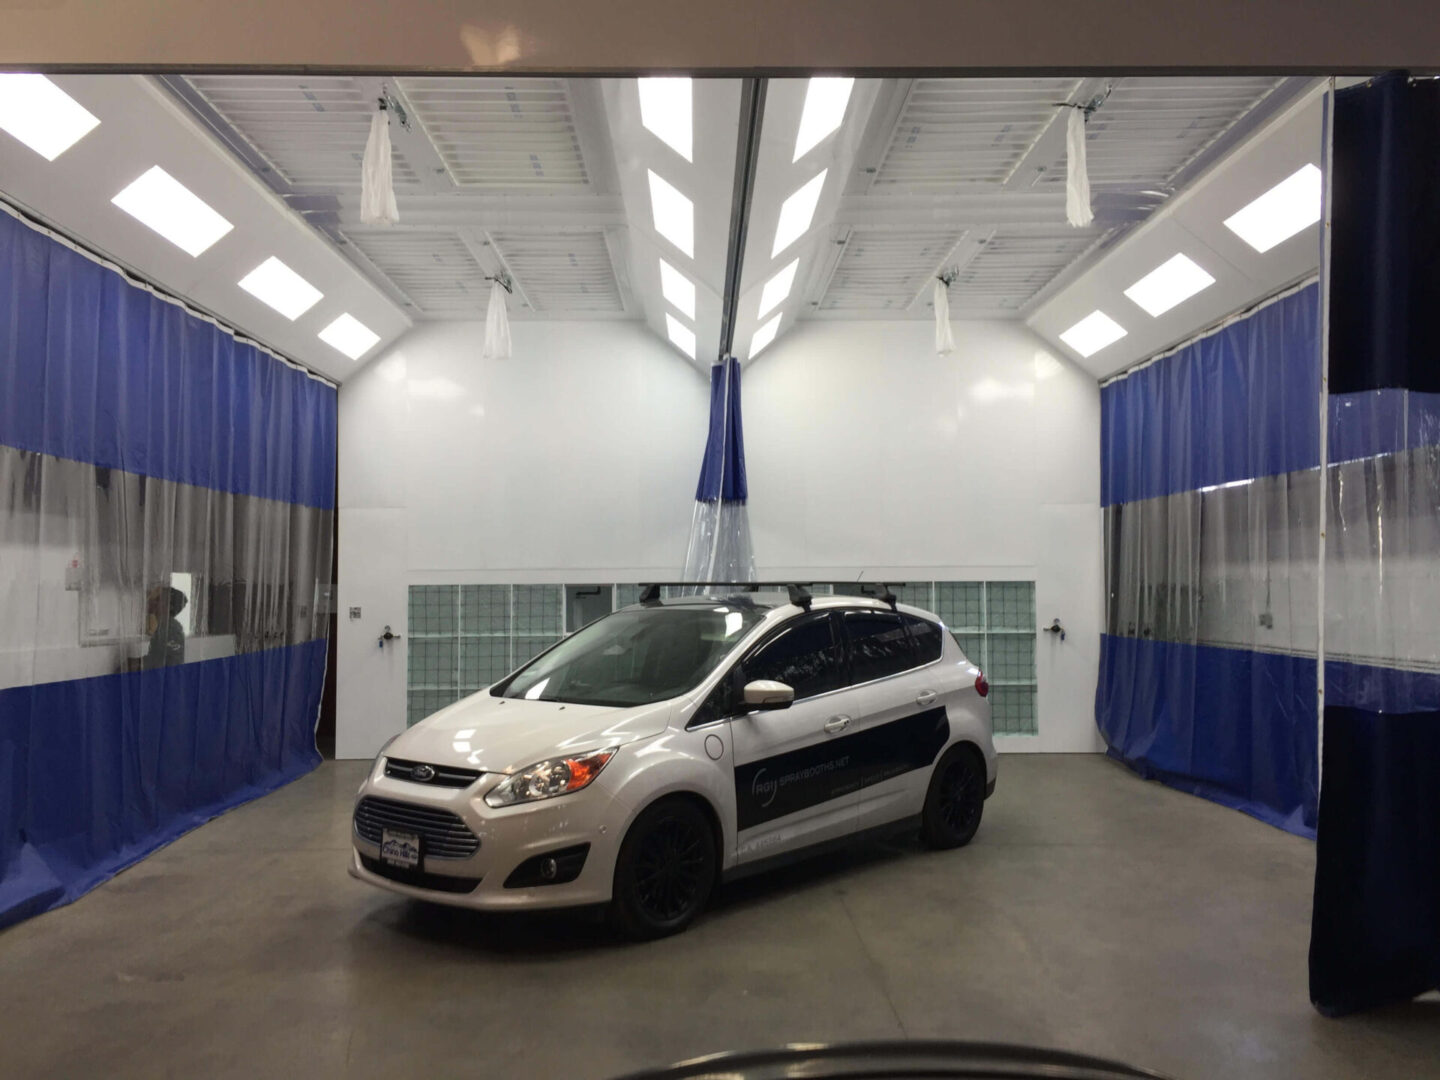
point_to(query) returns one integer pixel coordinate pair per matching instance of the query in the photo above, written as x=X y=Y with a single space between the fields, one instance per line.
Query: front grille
x=420 y=879
x=445 y=775
x=445 y=835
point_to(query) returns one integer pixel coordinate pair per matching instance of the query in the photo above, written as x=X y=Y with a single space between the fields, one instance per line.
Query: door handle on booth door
x=836 y=723
x=924 y=697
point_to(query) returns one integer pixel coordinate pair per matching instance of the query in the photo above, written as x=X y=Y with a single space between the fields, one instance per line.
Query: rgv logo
x=764 y=789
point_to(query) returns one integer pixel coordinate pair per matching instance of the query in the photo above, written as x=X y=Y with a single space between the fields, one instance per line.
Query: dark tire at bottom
x=666 y=869
x=955 y=799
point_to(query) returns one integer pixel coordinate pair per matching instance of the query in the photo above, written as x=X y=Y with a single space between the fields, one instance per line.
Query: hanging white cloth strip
x=944 y=339
x=1077 y=178
x=497 y=325
x=377 y=189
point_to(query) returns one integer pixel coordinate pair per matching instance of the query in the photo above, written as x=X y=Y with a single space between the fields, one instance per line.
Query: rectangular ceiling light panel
x=160 y=201
x=1284 y=210
x=778 y=288
x=678 y=289
x=681 y=336
x=666 y=110
x=1172 y=282
x=674 y=214
x=41 y=115
x=796 y=214
x=1093 y=333
x=825 y=103
x=764 y=336
x=350 y=336
x=283 y=289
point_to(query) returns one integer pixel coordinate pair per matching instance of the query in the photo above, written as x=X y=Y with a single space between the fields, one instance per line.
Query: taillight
x=982 y=686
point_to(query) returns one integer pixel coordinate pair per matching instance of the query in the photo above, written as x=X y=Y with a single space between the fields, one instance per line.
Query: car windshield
x=634 y=657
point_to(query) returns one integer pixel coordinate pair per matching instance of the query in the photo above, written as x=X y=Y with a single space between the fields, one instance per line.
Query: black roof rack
x=798 y=594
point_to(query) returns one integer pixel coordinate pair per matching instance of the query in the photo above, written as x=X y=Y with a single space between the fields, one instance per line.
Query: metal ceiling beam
x=1038 y=209
x=747 y=153
x=1047 y=150
x=410 y=139
x=551 y=213
x=956 y=259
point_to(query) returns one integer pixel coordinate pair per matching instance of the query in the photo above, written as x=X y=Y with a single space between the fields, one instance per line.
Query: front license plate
x=400 y=849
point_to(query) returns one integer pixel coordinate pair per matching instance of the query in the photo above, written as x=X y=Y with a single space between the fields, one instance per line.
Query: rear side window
x=805 y=656
x=879 y=645
x=926 y=637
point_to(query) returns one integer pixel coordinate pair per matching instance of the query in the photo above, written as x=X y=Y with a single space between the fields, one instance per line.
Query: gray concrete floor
x=1093 y=912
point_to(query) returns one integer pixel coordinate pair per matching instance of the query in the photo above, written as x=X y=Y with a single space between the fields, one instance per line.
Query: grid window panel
x=625 y=595
x=821 y=589
x=914 y=593
x=1011 y=605
x=421 y=703
x=432 y=662
x=1012 y=710
x=484 y=660
x=485 y=609
x=432 y=609
x=961 y=604
x=1012 y=658
x=973 y=646
x=538 y=610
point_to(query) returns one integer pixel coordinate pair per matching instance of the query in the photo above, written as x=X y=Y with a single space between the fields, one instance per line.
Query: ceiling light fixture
x=674 y=213
x=41 y=115
x=274 y=283
x=1093 y=333
x=681 y=336
x=160 y=201
x=825 y=102
x=796 y=213
x=764 y=336
x=350 y=336
x=678 y=289
x=665 y=109
x=1281 y=212
x=777 y=289
x=1172 y=282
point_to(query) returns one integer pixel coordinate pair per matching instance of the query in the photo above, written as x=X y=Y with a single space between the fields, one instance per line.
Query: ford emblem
x=422 y=773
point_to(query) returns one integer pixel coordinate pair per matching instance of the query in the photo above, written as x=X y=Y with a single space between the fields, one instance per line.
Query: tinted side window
x=879 y=645
x=927 y=638
x=805 y=656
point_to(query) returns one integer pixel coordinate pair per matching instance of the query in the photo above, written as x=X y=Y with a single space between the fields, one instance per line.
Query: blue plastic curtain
x=1208 y=466
x=720 y=548
x=1376 y=927
x=166 y=498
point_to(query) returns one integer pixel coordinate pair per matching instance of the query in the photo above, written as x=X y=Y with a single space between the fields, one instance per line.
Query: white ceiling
x=544 y=181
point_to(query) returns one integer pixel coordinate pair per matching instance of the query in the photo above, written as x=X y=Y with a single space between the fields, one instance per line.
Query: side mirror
x=768 y=694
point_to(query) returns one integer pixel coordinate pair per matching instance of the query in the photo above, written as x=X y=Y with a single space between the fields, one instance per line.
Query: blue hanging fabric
x=720 y=548
x=1207 y=670
x=166 y=505
x=1375 y=935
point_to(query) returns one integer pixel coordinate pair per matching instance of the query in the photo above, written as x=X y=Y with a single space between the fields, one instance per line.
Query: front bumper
x=508 y=837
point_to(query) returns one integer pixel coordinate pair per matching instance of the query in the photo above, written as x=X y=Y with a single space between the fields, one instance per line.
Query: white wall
x=866 y=451
x=577 y=458
x=574 y=460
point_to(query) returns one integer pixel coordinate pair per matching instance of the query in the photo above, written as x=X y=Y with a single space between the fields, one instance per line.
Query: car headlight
x=547 y=779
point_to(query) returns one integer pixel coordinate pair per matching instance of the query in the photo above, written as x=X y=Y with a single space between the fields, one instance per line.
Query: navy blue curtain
x=166 y=503
x=1376 y=927
x=1207 y=670
x=720 y=548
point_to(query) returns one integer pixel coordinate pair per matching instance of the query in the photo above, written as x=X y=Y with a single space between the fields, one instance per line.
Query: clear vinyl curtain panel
x=720 y=548
x=1209 y=481
x=166 y=504
x=1376 y=926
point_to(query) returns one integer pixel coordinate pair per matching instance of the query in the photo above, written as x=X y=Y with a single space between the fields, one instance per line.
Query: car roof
x=768 y=601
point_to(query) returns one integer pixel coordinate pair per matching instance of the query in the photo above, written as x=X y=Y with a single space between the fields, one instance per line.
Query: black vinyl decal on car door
x=775 y=786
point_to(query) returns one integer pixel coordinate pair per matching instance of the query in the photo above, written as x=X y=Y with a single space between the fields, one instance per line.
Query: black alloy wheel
x=956 y=799
x=665 y=871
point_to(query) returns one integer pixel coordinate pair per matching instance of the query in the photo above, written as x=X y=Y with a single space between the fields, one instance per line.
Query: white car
x=677 y=742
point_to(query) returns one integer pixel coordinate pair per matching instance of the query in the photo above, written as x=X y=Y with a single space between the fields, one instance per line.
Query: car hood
x=502 y=735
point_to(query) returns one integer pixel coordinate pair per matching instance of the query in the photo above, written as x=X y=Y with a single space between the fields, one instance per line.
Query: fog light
x=548 y=869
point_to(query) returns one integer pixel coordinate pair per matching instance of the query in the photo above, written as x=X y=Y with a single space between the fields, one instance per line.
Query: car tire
x=955 y=799
x=667 y=866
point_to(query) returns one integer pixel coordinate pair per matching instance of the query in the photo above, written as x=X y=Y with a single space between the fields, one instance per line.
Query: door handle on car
x=836 y=723
x=924 y=697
